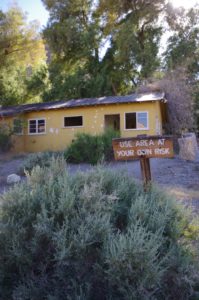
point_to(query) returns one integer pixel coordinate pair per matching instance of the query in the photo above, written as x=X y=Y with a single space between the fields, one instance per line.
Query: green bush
x=5 y=138
x=42 y=159
x=91 y=149
x=92 y=235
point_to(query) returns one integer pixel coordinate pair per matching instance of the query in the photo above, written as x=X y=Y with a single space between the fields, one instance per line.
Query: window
x=17 y=126
x=73 y=121
x=136 y=120
x=37 y=126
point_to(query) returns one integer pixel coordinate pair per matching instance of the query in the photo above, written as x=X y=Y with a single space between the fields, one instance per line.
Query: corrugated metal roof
x=15 y=110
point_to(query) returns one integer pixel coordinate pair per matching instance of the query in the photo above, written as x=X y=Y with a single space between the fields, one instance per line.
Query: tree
x=22 y=51
x=78 y=31
x=12 y=85
x=180 y=101
x=20 y=41
x=182 y=54
x=38 y=83
x=183 y=44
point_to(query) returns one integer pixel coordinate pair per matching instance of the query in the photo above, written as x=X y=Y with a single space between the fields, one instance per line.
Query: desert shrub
x=85 y=148
x=91 y=149
x=5 y=137
x=106 y=138
x=42 y=159
x=92 y=235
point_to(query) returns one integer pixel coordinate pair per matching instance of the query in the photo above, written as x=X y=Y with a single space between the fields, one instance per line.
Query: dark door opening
x=112 y=121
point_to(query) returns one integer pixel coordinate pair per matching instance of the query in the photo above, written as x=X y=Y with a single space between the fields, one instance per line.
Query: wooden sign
x=144 y=148
x=148 y=147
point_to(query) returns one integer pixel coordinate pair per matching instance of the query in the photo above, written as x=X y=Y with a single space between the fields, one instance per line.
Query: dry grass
x=181 y=193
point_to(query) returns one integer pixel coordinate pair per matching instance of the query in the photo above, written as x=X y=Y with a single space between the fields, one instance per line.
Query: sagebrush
x=93 y=235
x=91 y=148
x=41 y=159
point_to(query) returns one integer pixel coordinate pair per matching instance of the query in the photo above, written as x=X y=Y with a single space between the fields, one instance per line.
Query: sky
x=36 y=11
x=34 y=8
x=184 y=3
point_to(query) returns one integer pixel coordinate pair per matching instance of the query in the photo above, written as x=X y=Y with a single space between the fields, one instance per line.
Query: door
x=112 y=121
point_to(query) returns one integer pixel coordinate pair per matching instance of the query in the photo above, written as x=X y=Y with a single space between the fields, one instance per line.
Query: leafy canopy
x=22 y=52
x=79 y=31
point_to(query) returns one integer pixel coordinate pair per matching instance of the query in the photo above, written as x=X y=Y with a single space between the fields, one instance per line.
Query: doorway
x=112 y=121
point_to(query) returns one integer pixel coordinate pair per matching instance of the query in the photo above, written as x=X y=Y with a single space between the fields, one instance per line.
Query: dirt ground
x=178 y=177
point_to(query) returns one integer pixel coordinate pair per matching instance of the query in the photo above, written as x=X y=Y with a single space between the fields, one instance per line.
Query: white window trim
x=36 y=133
x=137 y=112
x=22 y=132
x=74 y=117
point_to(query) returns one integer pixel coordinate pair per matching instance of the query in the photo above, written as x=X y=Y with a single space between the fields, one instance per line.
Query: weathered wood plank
x=149 y=146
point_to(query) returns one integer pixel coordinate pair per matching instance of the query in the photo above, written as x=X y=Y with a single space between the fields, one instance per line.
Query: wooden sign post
x=145 y=170
x=143 y=148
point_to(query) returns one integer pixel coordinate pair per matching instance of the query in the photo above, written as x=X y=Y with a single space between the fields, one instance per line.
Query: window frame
x=137 y=128
x=78 y=126
x=36 y=133
x=22 y=129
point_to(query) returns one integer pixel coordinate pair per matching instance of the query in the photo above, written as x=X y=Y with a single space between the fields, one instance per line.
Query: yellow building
x=53 y=126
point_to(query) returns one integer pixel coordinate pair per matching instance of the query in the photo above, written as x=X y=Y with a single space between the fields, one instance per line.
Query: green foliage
x=22 y=51
x=85 y=148
x=37 y=84
x=183 y=40
x=19 y=87
x=127 y=34
x=80 y=81
x=5 y=137
x=12 y=85
x=41 y=159
x=20 y=41
x=93 y=235
x=91 y=149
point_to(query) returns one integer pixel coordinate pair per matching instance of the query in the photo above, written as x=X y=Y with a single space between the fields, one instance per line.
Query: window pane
x=32 y=126
x=73 y=121
x=142 y=121
x=41 y=126
x=17 y=126
x=130 y=121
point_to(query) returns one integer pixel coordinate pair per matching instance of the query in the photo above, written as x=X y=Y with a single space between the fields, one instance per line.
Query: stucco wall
x=58 y=138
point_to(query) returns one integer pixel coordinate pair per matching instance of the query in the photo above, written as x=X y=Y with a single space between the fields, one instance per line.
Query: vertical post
x=146 y=171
